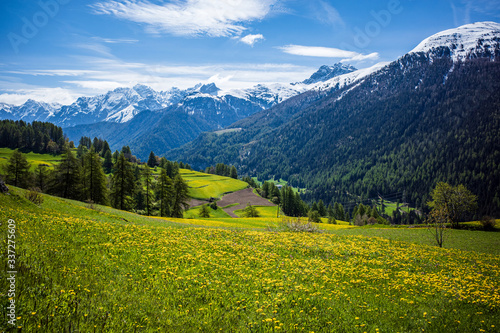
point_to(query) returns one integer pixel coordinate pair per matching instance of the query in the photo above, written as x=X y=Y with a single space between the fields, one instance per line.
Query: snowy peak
x=210 y=89
x=326 y=73
x=477 y=40
x=144 y=91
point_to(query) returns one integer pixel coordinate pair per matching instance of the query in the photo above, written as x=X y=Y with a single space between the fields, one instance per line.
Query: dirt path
x=242 y=198
x=196 y=202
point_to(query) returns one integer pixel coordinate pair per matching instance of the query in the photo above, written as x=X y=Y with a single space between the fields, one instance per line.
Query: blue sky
x=57 y=50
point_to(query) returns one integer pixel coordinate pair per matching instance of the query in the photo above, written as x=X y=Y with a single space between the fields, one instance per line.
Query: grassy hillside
x=33 y=158
x=205 y=186
x=104 y=270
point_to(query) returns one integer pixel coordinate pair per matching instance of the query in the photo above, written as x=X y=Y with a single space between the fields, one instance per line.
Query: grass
x=479 y=241
x=193 y=213
x=204 y=186
x=390 y=207
x=104 y=270
x=33 y=158
x=264 y=211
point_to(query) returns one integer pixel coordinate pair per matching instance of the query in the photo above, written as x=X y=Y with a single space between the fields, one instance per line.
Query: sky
x=58 y=50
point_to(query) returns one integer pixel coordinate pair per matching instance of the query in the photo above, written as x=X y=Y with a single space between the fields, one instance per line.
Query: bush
x=204 y=211
x=250 y=211
x=288 y=224
x=332 y=220
x=488 y=223
x=313 y=216
x=33 y=194
x=360 y=220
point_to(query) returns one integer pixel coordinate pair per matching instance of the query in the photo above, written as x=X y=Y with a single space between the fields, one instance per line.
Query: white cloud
x=327 y=52
x=252 y=39
x=47 y=95
x=326 y=13
x=215 y=18
x=104 y=74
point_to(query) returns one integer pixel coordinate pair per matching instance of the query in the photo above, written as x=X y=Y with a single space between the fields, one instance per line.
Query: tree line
x=39 y=137
x=222 y=169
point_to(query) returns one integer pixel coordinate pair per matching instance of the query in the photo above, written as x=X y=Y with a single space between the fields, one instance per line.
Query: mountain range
x=149 y=120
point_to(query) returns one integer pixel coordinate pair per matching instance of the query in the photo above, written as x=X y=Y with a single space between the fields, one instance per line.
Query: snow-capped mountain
x=119 y=105
x=326 y=73
x=428 y=115
x=29 y=111
x=476 y=40
x=123 y=104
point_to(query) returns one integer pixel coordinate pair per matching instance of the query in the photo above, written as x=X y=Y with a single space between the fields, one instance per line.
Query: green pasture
x=33 y=158
x=204 y=186
x=84 y=268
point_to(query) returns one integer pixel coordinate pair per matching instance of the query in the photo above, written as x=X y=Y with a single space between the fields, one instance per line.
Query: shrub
x=332 y=220
x=250 y=211
x=313 y=216
x=360 y=220
x=91 y=205
x=33 y=194
x=204 y=211
x=288 y=224
x=488 y=223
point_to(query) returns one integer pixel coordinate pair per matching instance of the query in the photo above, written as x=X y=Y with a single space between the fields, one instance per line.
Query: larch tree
x=18 y=169
x=148 y=191
x=95 y=180
x=66 y=181
x=122 y=184
x=164 y=193
x=181 y=198
x=42 y=176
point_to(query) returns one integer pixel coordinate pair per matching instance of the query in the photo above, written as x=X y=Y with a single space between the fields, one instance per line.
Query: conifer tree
x=66 y=182
x=42 y=176
x=330 y=211
x=122 y=184
x=105 y=148
x=180 y=198
x=164 y=192
x=204 y=211
x=17 y=169
x=148 y=191
x=94 y=178
x=233 y=173
x=107 y=164
x=152 y=160
x=321 y=208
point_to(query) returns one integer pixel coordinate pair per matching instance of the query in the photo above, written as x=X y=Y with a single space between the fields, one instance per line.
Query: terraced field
x=203 y=186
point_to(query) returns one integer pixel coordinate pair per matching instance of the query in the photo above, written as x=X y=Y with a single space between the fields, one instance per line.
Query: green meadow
x=34 y=158
x=204 y=186
x=87 y=268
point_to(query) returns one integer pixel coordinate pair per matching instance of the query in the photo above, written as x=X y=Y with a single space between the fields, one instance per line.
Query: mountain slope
x=200 y=109
x=430 y=116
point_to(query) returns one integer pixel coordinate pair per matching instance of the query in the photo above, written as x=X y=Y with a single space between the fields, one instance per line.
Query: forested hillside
x=405 y=128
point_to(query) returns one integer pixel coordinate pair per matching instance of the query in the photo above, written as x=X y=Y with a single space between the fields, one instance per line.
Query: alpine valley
x=432 y=115
x=343 y=134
